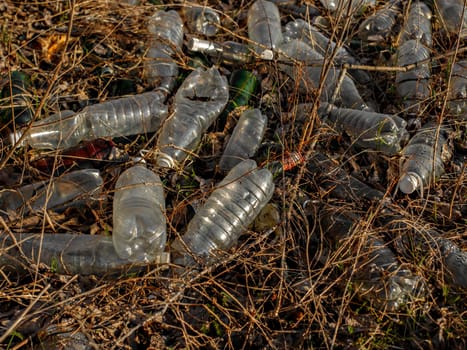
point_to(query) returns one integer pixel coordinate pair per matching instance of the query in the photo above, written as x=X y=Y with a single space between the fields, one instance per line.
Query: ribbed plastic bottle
x=369 y=130
x=308 y=75
x=139 y=223
x=413 y=86
x=303 y=30
x=228 y=52
x=126 y=116
x=353 y=5
x=457 y=90
x=377 y=27
x=245 y=139
x=228 y=211
x=422 y=158
x=67 y=253
x=198 y=102
x=166 y=30
x=418 y=24
x=264 y=27
x=378 y=274
x=71 y=189
x=18 y=99
x=202 y=20
x=453 y=16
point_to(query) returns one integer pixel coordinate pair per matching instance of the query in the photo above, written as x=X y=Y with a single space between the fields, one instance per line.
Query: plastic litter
x=202 y=20
x=18 y=99
x=139 y=223
x=453 y=16
x=457 y=90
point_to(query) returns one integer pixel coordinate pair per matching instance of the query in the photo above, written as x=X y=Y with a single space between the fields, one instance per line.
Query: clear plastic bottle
x=67 y=253
x=18 y=99
x=139 y=223
x=161 y=69
x=418 y=24
x=308 y=75
x=202 y=20
x=422 y=158
x=245 y=139
x=453 y=16
x=125 y=116
x=303 y=30
x=378 y=27
x=353 y=5
x=228 y=211
x=457 y=90
x=378 y=274
x=264 y=27
x=413 y=86
x=70 y=189
x=229 y=52
x=198 y=102
x=369 y=130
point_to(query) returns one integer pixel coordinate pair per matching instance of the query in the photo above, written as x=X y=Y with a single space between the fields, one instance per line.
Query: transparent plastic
x=308 y=75
x=377 y=27
x=67 y=253
x=125 y=116
x=369 y=130
x=457 y=90
x=413 y=86
x=229 y=52
x=202 y=20
x=453 y=16
x=303 y=30
x=418 y=24
x=421 y=161
x=71 y=189
x=198 y=102
x=264 y=27
x=245 y=139
x=139 y=223
x=352 y=5
x=166 y=30
x=228 y=211
x=379 y=276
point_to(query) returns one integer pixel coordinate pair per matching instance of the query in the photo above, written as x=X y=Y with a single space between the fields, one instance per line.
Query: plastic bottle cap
x=267 y=55
x=199 y=45
x=14 y=137
x=409 y=183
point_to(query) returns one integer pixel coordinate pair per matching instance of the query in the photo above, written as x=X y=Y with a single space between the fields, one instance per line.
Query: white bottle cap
x=409 y=182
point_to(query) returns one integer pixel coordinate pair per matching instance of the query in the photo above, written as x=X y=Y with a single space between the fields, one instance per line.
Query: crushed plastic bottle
x=353 y=6
x=336 y=181
x=379 y=276
x=228 y=211
x=228 y=52
x=457 y=90
x=67 y=253
x=308 y=74
x=202 y=20
x=139 y=224
x=245 y=139
x=264 y=27
x=125 y=116
x=303 y=30
x=18 y=99
x=453 y=16
x=418 y=24
x=198 y=102
x=71 y=189
x=161 y=69
x=369 y=130
x=377 y=27
x=422 y=158
x=408 y=238
x=413 y=86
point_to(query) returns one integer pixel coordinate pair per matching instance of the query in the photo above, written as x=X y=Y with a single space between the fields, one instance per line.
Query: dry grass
x=287 y=284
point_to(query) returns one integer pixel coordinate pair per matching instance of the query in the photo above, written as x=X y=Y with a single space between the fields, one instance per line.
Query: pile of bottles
x=181 y=106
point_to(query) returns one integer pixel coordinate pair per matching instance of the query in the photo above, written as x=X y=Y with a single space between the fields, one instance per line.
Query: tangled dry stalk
x=287 y=284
